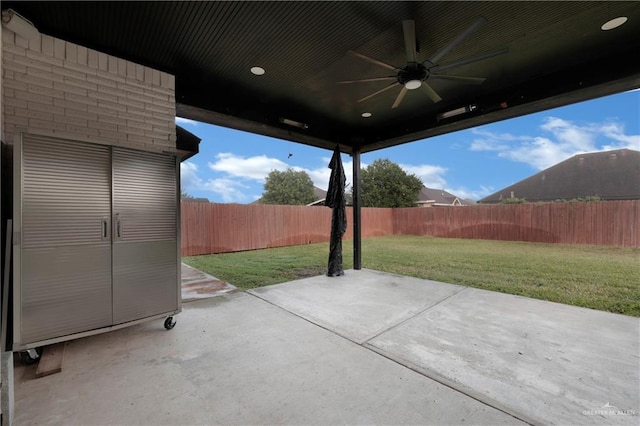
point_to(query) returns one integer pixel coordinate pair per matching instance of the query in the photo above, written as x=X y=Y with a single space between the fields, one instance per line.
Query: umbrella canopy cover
x=336 y=200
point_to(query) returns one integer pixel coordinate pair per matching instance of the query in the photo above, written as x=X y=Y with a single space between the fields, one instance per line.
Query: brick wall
x=56 y=88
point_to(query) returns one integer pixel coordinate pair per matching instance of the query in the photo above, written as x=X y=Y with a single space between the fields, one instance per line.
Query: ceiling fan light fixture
x=613 y=23
x=413 y=84
x=257 y=71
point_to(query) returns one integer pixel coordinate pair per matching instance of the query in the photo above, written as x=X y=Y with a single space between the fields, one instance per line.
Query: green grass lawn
x=604 y=278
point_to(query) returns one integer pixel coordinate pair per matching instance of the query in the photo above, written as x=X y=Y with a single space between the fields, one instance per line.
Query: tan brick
x=38 y=115
x=62 y=103
x=138 y=139
x=131 y=131
x=92 y=59
x=80 y=68
x=101 y=125
x=47 y=45
x=131 y=87
x=118 y=121
x=156 y=77
x=35 y=77
x=101 y=111
x=89 y=116
x=67 y=71
x=135 y=115
x=158 y=135
x=33 y=63
x=103 y=61
x=17 y=84
x=13 y=66
x=8 y=36
x=139 y=72
x=167 y=80
x=139 y=125
x=72 y=53
x=59 y=48
x=132 y=105
x=101 y=80
x=113 y=65
x=70 y=120
x=82 y=55
x=103 y=96
x=27 y=96
x=111 y=105
x=109 y=78
x=113 y=135
x=17 y=121
x=122 y=67
x=80 y=82
x=49 y=125
x=148 y=75
x=72 y=97
x=45 y=91
x=131 y=70
x=157 y=96
x=37 y=106
x=44 y=59
x=70 y=88
x=16 y=49
x=35 y=45
x=21 y=42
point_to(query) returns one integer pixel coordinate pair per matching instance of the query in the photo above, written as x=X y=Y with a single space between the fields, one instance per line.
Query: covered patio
x=365 y=348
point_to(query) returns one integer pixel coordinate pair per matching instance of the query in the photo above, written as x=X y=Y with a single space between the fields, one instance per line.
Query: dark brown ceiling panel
x=550 y=54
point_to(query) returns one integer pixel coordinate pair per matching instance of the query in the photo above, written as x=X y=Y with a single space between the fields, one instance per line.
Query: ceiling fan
x=415 y=74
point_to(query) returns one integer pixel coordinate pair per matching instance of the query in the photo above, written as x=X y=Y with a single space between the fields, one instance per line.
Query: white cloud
x=229 y=190
x=431 y=176
x=256 y=168
x=564 y=139
x=186 y=121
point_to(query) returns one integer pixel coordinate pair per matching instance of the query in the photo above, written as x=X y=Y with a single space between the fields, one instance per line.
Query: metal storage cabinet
x=95 y=239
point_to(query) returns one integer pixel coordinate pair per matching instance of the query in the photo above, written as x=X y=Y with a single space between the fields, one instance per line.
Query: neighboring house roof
x=440 y=197
x=610 y=175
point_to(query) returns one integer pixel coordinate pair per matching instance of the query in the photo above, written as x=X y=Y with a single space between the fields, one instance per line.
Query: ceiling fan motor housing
x=413 y=71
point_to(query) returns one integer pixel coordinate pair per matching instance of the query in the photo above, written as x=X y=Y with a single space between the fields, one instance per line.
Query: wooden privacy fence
x=219 y=228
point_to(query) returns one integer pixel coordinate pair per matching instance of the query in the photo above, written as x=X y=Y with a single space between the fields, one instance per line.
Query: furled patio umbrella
x=335 y=200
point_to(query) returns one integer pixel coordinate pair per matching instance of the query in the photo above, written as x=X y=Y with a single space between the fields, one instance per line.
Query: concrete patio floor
x=365 y=348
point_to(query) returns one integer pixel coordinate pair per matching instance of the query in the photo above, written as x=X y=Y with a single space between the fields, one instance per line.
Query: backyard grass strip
x=597 y=277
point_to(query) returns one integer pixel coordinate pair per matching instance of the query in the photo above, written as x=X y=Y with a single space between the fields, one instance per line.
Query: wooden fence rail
x=218 y=228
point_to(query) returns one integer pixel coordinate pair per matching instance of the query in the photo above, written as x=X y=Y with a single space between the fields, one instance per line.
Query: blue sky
x=232 y=165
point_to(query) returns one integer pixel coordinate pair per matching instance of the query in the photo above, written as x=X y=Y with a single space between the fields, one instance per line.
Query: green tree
x=384 y=184
x=185 y=195
x=288 y=187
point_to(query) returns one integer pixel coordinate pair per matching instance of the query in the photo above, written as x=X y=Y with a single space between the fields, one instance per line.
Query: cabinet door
x=65 y=270
x=145 y=272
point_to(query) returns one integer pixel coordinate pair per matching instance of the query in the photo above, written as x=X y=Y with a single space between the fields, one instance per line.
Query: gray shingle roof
x=610 y=175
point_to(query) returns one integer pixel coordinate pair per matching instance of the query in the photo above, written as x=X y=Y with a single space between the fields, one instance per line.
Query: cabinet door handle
x=105 y=228
x=118 y=227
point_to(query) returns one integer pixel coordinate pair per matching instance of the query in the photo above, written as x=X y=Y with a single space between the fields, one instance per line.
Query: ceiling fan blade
x=430 y=92
x=365 y=80
x=472 y=59
x=459 y=39
x=373 y=61
x=378 y=92
x=409 y=31
x=400 y=97
x=470 y=80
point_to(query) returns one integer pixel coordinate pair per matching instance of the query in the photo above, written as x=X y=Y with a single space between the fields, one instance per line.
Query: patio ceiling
x=541 y=55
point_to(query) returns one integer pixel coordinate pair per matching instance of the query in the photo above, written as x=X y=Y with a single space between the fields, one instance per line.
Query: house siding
x=56 y=88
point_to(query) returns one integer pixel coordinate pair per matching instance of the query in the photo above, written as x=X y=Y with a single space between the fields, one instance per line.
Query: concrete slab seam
x=303 y=318
x=369 y=338
x=469 y=392
x=421 y=371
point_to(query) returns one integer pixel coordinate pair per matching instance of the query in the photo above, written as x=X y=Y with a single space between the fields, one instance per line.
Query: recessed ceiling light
x=366 y=114
x=613 y=23
x=257 y=70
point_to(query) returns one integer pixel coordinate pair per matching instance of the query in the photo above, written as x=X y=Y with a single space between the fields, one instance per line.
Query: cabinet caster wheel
x=169 y=323
x=30 y=356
